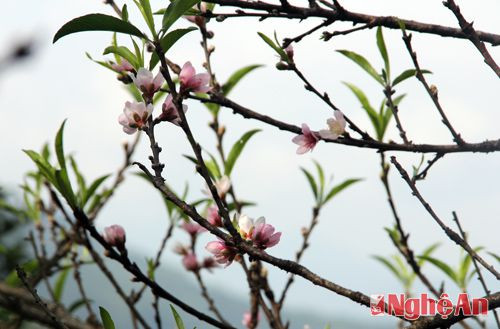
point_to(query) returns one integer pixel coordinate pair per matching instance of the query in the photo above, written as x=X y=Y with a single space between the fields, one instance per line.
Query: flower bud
x=190 y=263
x=114 y=235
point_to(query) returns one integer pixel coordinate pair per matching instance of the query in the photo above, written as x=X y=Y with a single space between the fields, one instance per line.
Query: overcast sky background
x=60 y=82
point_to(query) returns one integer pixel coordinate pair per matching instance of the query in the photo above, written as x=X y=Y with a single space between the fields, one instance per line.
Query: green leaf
x=282 y=54
x=236 y=150
x=494 y=256
x=442 y=266
x=92 y=188
x=59 y=147
x=97 y=22
x=125 y=13
x=106 y=319
x=340 y=187
x=363 y=63
x=59 y=285
x=213 y=167
x=79 y=179
x=407 y=74
x=145 y=9
x=167 y=42
x=427 y=252
x=463 y=268
x=175 y=10
x=104 y=64
x=383 y=52
x=178 y=319
x=387 y=263
x=236 y=77
x=123 y=52
x=321 y=177
x=29 y=267
x=312 y=182
x=77 y=304
x=365 y=104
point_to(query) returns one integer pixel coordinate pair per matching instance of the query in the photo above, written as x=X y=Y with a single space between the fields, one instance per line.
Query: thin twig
x=470 y=32
x=55 y=321
x=478 y=269
x=447 y=230
x=432 y=91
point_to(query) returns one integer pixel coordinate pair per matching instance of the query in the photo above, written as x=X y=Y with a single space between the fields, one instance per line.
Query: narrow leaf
x=106 y=319
x=442 y=266
x=363 y=63
x=178 y=319
x=276 y=48
x=123 y=52
x=97 y=22
x=175 y=10
x=365 y=104
x=236 y=150
x=59 y=285
x=407 y=74
x=383 y=52
x=236 y=77
x=312 y=182
x=167 y=42
x=339 y=188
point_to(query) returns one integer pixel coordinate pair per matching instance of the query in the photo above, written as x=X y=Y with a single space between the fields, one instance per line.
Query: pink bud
x=114 y=235
x=247 y=320
x=146 y=83
x=190 y=263
x=209 y=263
x=169 y=111
x=289 y=52
x=223 y=253
x=213 y=216
x=123 y=66
x=193 y=228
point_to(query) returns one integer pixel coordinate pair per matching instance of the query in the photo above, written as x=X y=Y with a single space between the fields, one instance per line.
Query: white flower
x=336 y=127
x=135 y=116
x=146 y=83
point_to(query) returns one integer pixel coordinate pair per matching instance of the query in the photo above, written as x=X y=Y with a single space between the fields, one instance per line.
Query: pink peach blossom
x=146 y=83
x=263 y=236
x=193 y=228
x=169 y=111
x=213 y=216
x=307 y=141
x=223 y=253
x=190 y=81
x=336 y=126
x=114 y=235
x=289 y=52
x=135 y=116
x=247 y=319
x=190 y=262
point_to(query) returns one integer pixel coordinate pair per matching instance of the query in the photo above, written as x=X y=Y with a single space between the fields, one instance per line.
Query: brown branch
x=438 y=322
x=478 y=269
x=482 y=147
x=402 y=245
x=55 y=321
x=447 y=230
x=388 y=92
x=421 y=175
x=288 y=41
x=19 y=301
x=431 y=90
x=471 y=34
x=211 y=303
x=391 y=22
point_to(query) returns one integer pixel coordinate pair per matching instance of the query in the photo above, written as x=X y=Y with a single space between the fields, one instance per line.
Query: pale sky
x=60 y=82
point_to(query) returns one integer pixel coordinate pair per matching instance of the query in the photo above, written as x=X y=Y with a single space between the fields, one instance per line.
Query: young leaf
x=168 y=41
x=442 y=266
x=178 y=319
x=389 y=266
x=176 y=9
x=97 y=22
x=363 y=63
x=372 y=114
x=125 y=53
x=383 y=52
x=106 y=319
x=312 y=182
x=125 y=13
x=76 y=305
x=59 y=146
x=145 y=9
x=407 y=74
x=92 y=188
x=321 y=177
x=494 y=256
x=213 y=167
x=59 y=286
x=427 y=252
x=236 y=150
x=236 y=77
x=276 y=48
x=339 y=188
